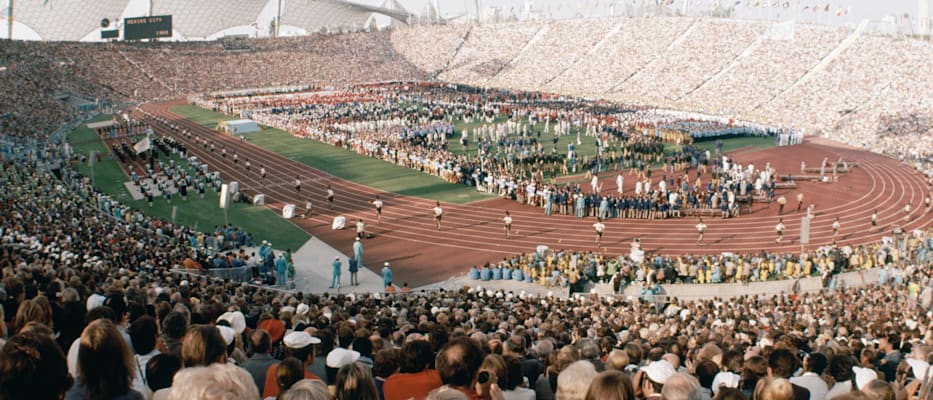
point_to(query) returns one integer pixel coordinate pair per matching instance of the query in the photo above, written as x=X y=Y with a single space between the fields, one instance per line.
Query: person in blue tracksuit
x=335 y=275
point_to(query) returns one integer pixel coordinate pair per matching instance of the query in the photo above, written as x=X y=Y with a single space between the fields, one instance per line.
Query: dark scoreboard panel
x=156 y=26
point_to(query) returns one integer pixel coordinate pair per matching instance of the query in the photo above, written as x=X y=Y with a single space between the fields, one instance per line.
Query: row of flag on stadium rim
x=790 y=5
x=797 y=6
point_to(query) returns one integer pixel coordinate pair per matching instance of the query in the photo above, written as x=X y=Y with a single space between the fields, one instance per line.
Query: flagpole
x=9 y=28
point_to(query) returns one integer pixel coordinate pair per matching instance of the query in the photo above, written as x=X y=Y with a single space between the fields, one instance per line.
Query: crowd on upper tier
x=91 y=310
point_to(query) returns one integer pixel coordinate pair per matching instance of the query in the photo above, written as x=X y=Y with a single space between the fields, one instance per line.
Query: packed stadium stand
x=487 y=50
x=446 y=40
x=625 y=50
x=533 y=67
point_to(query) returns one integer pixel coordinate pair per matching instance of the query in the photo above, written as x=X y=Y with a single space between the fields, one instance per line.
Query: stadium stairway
x=658 y=57
x=819 y=67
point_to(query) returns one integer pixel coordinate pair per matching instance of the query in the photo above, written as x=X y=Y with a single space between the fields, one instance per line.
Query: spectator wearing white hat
x=337 y=358
x=651 y=379
x=300 y=320
x=299 y=345
x=229 y=336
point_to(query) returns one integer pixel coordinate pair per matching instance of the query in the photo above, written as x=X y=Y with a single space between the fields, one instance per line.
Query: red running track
x=473 y=234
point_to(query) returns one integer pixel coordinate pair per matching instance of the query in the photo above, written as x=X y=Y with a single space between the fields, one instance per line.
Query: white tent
x=240 y=126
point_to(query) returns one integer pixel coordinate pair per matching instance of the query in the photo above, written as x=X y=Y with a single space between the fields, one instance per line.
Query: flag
x=142 y=145
x=224 y=194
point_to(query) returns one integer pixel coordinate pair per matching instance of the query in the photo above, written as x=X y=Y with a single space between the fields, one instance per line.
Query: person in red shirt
x=414 y=379
x=299 y=345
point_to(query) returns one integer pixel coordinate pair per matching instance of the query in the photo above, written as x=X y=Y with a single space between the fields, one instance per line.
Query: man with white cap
x=229 y=336
x=650 y=379
x=863 y=376
x=340 y=357
x=299 y=345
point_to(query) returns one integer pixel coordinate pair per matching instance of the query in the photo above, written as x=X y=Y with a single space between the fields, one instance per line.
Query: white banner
x=223 y=195
x=805 y=231
x=288 y=211
x=142 y=145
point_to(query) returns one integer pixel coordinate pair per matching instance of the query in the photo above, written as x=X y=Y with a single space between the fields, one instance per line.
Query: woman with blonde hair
x=774 y=389
x=355 y=382
x=307 y=389
x=105 y=365
x=33 y=310
x=203 y=346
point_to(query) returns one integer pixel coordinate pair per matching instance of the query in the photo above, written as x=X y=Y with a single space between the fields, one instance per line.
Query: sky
x=850 y=11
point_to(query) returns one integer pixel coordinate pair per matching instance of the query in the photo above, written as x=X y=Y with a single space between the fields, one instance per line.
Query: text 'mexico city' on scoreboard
x=156 y=26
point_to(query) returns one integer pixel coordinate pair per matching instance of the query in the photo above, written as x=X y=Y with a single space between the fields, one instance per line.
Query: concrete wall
x=730 y=290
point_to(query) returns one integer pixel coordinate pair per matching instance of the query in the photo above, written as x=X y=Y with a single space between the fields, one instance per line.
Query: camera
x=483 y=377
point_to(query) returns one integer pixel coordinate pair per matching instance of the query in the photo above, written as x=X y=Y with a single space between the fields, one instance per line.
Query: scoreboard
x=156 y=26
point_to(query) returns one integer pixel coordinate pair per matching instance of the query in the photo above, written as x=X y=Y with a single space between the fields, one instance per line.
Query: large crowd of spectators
x=771 y=73
x=91 y=308
x=815 y=79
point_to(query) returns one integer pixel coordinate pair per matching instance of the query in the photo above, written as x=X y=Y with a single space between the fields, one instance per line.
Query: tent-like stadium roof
x=312 y=15
x=71 y=20
x=203 y=18
x=65 y=19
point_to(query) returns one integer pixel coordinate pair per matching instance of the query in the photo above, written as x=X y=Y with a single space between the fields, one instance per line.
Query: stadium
x=342 y=199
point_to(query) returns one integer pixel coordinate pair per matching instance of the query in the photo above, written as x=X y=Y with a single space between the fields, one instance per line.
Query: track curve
x=473 y=233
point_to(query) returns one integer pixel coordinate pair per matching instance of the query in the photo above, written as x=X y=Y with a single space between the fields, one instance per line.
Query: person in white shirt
x=600 y=227
x=378 y=205
x=507 y=220
x=813 y=366
x=836 y=226
x=297 y=184
x=307 y=209
x=330 y=197
x=619 y=181
x=874 y=218
x=907 y=212
x=779 y=229
x=360 y=229
x=438 y=213
x=701 y=229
